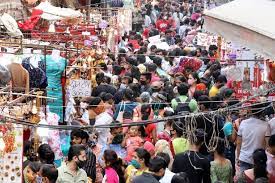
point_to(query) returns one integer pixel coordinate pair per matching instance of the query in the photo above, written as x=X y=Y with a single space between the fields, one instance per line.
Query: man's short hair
x=183 y=89
x=75 y=150
x=221 y=79
x=166 y=157
x=148 y=75
x=50 y=172
x=80 y=134
x=156 y=164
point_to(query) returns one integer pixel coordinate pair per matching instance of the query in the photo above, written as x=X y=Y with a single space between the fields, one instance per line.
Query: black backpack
x=183 y=106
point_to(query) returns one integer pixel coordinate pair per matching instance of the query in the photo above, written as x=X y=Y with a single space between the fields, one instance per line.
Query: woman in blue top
x=126 y=105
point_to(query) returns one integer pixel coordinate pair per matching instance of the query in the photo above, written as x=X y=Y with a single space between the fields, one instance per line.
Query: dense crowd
x=159 y=88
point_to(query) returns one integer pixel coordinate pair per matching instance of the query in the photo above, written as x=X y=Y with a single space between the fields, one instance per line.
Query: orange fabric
x=148 y=130
x=201 y=87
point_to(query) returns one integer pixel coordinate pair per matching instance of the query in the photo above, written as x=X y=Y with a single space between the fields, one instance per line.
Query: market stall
x=240 y=22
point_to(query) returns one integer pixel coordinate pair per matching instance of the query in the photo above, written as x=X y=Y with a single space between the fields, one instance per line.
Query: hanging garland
x=8 y=137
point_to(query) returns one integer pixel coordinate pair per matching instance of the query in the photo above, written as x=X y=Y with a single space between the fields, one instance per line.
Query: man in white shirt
x=147 y=20
x=103 y=118
x=251 y=136
x=183 y=27
x=168 y=175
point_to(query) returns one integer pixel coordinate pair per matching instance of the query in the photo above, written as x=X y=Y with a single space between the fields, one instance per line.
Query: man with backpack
x=184 y=104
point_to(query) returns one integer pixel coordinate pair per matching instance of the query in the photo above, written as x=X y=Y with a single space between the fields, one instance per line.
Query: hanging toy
x=68 y=30
x=51 y=28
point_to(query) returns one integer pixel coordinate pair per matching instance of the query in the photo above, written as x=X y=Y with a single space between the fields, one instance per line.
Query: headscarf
x=149 y=147
x=163 y=146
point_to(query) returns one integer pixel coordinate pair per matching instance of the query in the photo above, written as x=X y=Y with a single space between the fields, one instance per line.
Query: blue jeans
x=245 y=166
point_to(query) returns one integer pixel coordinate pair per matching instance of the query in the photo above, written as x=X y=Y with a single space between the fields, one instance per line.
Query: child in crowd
x=115 y=139
x=165 y=134
x=30 y=172
x=221 y=168
x=127 y=118
x=132 y=141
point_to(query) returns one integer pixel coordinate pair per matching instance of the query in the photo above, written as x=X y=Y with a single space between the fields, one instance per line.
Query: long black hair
x=144 y=154
x=145 y=111
x=259 y=158
x=112 y=160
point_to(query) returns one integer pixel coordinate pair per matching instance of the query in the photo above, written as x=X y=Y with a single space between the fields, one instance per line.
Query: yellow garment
x=213 y=91
x=129 y=172
x=180 y=145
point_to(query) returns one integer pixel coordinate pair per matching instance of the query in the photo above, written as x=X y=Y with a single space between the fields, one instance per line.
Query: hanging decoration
x=11 y=136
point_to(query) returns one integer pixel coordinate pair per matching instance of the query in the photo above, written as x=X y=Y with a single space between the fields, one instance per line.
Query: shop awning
x=249 y=23
x=53 y=13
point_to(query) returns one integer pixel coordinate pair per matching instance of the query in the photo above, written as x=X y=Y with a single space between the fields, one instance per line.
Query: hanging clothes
x=14 y=8
x=70 y=109
x=5 y=76
x=111 y=42
x=32 y=21
x=20 y=77
x=38 y=78
x=55 y=66
x=53 y=13
x=124 y=19
x=128 y=4
x=54 y=141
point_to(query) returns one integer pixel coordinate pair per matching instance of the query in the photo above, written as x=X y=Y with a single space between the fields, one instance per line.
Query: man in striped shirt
x=79 y=136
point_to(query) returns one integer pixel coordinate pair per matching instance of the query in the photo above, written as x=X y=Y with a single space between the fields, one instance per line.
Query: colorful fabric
x=110 y=176
x=149 y=131
x=221 y=173
x=180 y=145
x=54 y=140
x=32 y=21
x=228 y=129
x=213 y=91
x=149 y=147
x=132 y=172
x=132 y=143
x=54 y=71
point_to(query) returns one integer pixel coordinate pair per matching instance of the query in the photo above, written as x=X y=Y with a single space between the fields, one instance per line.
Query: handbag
x=120 y=112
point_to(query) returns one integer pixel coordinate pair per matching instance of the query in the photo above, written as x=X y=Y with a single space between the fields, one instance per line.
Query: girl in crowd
x=138 y=165
x=221 y=168
x=30 y=172
x=113 y=168
x=193 y=80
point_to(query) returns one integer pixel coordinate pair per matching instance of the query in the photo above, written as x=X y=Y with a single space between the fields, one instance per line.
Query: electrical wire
x=133 y=123
x=135 y=54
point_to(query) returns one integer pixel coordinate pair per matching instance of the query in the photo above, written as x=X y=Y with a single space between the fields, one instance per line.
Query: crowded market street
x=137 y=91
